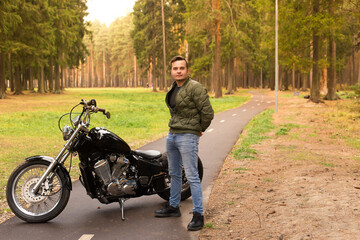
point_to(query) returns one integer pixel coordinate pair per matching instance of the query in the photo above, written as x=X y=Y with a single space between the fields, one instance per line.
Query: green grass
x=256 y=130
x=268 y=180
x=209 y=225
x=240 y=170
x=29 y=123
x=286 y=128
x=326 y=164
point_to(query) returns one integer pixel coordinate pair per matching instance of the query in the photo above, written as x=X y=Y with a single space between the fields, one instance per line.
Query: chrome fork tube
x=60 y=158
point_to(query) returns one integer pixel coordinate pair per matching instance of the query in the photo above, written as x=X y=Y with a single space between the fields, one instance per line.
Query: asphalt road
x=85 y=218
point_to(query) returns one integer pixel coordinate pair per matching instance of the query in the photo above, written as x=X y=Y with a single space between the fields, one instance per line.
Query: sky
x=106 y=11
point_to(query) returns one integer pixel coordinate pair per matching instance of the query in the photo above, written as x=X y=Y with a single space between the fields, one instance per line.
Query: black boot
x=196 y=223
x=168 y=211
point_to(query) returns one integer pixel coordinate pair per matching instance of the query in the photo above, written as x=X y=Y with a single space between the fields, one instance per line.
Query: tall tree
x=121 y=50
x=217 y=61
x=9 y=19
x=315 y=89
x=147 y=33
x=331 y=83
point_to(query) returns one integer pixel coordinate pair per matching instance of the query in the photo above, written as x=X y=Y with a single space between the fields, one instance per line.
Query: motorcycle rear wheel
x=44 y=206
x=185 y=189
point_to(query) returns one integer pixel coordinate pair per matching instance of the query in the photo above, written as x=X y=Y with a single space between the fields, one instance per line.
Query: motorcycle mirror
x=93 y=102
x=107 y=115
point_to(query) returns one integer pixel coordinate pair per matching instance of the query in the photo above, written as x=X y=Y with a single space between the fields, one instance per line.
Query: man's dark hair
x=179 y=58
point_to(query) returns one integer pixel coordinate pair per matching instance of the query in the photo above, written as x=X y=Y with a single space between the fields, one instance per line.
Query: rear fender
x=59 y=167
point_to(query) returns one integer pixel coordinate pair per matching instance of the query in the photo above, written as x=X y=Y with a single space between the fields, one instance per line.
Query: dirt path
x=302 y=185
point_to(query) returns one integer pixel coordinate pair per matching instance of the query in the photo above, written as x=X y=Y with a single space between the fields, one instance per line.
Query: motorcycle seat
x=149 y=154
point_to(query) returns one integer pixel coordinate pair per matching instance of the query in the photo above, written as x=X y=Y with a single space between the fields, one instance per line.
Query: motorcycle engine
x=112 y=172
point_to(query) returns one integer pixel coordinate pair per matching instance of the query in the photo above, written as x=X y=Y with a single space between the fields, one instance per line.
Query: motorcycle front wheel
x=50 y=200
x=185 y=189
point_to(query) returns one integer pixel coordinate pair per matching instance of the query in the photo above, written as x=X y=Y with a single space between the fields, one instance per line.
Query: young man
x=191 y=114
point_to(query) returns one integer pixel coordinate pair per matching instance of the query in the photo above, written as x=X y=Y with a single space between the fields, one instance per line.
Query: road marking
x=244 y=110
x=210 y=130
x=234 y=114
x=86 y=237
x=259 y=104
x=222 y=121
x=268 y=101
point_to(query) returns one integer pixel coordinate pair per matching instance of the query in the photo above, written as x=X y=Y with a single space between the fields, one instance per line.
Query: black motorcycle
x=39 y=189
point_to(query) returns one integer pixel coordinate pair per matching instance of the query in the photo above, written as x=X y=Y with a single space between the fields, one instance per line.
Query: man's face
x=179 y=71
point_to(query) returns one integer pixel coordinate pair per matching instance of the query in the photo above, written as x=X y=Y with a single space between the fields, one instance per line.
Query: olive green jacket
x=192 y=112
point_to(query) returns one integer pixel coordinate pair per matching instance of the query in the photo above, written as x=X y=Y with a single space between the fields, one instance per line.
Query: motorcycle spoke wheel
x=43 y=202
x=43 y=206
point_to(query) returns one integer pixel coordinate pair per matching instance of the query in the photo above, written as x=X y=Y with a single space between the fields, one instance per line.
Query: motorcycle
x=38 y=190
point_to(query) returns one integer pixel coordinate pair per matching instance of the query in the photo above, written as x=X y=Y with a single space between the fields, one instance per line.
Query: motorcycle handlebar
x=92 y=105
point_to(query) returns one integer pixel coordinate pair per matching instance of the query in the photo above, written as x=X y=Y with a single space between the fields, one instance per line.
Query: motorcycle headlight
x=67 y=132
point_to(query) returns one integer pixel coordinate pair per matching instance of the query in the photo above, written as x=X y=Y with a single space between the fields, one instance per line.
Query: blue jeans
x=182 y=149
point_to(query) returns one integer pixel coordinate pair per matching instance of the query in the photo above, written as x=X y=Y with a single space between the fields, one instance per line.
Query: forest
x=47 y=46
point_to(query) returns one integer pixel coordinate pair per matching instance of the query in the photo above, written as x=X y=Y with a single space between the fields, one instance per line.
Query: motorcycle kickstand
x=122 y=202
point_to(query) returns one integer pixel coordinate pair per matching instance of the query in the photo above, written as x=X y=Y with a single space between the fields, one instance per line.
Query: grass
x=255 y=133
x=209 y=225
x=240 y=170
x=29 y=123
x=286 y=128
x=326 y=164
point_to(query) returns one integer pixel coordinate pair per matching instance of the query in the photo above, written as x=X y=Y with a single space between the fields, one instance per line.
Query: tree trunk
x=51 y=75
x=82 y=79
x=315 y=87
x=153 y=78
x=11 y=75
x=164 y=48
x=62 y=77
x=331 y=84
x=353 y=81
x=41 y=81
x=18 y=85
x=31 y=79
x=323 y=81
x=135 y=73
x=57 y=79
x=217 y=68
x=358 y=57
x=104 y=70
x=304 y=82
x=2 y=76
x=230 y=86
x=293 y=78
x=91 y=69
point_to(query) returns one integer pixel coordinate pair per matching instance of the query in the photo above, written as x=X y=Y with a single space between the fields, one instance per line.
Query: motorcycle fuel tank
x=109 y=141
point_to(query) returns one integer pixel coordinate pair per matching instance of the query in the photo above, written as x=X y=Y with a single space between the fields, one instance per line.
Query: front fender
x=59 y=167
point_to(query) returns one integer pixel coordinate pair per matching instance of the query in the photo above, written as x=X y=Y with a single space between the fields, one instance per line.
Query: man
x=191 y=114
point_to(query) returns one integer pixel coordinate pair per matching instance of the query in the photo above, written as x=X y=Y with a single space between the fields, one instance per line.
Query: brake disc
x=28 y=195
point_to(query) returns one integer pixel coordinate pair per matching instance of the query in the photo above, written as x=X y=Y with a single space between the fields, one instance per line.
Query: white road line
x=222 y=121
x=244 y=110
x=210 y=130
x=86 y=237
x=268 y=101
x=234 y=115
x=259 y=104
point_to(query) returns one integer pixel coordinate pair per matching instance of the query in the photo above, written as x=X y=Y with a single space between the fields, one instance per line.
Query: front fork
x=60 y=159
